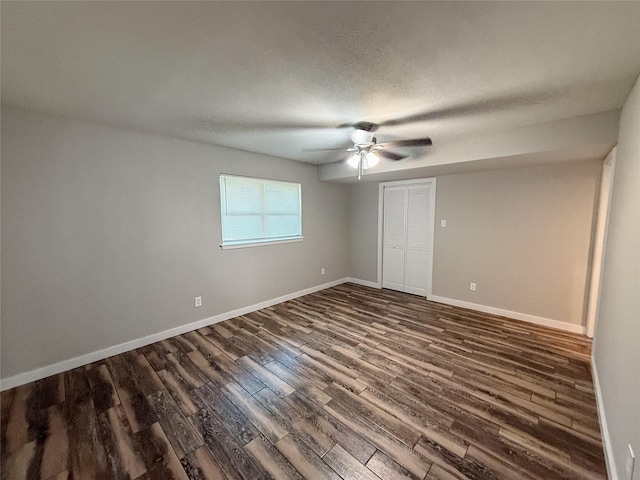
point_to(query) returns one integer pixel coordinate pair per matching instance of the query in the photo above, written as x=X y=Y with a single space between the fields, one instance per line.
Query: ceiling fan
x=367 y=150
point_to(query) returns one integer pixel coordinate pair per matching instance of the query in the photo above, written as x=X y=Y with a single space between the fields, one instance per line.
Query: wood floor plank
x=102 y=387
x=454 y=465
x=180 y=391
x=225 y=411
x=232 y=459
x=17 y=465
x=16 y=431
x=286 y=365
x=182 y=365
x=136 y=407
x=331 y=374
x=145 y=376
x=289 y=376
x=255 y=412
x=181 y=344
x=387 y=469
x=512 y=456
x=347 y=382
x=438 y=473
x=421 y=424
x=403 y=431
x=203 y=345
x=183 y=438
x=304 y=460
x=6 y=403
x=125 y=453
x=278 y=340
x=200 y=465
x=223 y=344
x=276 y=465
x=401 y=453
x=88 y=458
x=249 y=350
x=210 y=368
x=158 y=456
x=275 y=383
x=235 y=372
x=155 y=355
x=306 y=431
x=56 y=447
x=346 y=466
x=307 y=400
x=47 y=392
x=355 y=444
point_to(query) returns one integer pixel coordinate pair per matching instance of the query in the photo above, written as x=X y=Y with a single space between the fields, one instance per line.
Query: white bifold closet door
x=407 y=238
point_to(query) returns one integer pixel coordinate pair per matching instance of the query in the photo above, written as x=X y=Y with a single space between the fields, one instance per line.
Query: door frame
x=399 y=183
x=599 y=242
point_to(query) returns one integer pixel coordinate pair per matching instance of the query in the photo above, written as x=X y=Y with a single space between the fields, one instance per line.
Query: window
x=255 y=210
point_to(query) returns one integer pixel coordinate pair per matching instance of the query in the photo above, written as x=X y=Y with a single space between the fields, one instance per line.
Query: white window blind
x=255 y=210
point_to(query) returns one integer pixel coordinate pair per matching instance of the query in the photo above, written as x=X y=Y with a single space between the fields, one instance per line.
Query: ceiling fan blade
x=349 y=149
x=391 y=155
x=224 y=125
x=489 y=104
x=417 y=142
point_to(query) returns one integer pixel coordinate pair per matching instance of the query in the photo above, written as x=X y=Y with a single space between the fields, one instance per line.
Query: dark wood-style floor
x=349 y=382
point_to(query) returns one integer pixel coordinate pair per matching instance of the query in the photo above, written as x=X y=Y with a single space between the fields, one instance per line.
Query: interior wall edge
x=602 y=420
x=525 y=317
x=46 y=371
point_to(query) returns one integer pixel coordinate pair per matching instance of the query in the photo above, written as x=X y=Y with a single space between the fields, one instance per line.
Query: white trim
x=604 y=429
x=381 y=186
x=599 y=241
x=231 y=246
x=525 y=317
x=43 y=372
x=400 y=183
x=380 y=232
x=433 y=237
x=364 y=283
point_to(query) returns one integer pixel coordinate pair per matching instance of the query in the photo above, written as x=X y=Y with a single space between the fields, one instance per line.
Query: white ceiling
x=278 y=77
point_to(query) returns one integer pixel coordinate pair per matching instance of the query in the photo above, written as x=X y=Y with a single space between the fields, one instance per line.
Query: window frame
x=259 y=242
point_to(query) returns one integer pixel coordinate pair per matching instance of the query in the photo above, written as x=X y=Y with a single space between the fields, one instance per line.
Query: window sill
x=260 y=244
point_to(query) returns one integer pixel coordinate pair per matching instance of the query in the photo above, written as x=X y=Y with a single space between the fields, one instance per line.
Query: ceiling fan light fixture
x=371 y=160
x=354 y=160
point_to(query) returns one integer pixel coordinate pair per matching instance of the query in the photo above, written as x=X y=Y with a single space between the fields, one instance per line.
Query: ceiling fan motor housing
x=362 y=137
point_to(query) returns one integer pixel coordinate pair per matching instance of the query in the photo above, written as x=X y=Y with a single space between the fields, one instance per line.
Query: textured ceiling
x=276 y=78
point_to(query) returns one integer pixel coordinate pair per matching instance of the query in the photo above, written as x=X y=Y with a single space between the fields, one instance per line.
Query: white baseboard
x=525 y=317
x=364 y=283
x=43 y=372
x=604 y=429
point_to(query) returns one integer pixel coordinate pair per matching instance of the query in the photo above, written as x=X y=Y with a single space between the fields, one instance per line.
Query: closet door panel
x=418 y=217
x=418 y=239
x=393 y=267
x=415 y=274
x=394 y=217
x=407 y=235
x=394 y=238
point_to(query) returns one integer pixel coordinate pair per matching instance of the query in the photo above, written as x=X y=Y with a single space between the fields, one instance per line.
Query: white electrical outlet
x=472 y=286
x=197 y=301
x=322 y=271
x=443 y=223
x=630 y=464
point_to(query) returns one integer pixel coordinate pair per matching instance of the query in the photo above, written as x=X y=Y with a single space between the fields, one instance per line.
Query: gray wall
x=522 y=234
x=617 y=339
x=363 y=238
x=108 y=235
